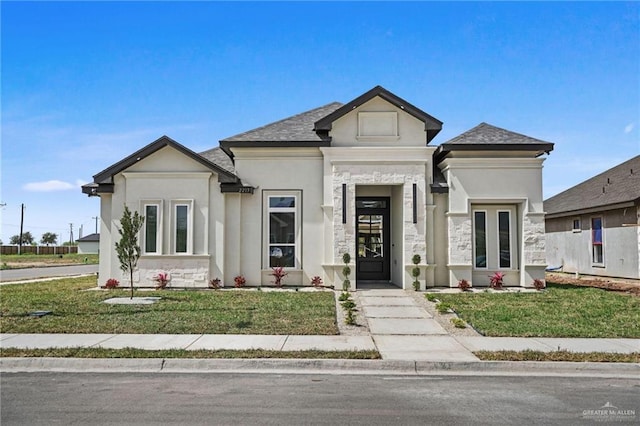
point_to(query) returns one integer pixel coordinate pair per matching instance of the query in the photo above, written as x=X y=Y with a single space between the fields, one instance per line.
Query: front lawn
x=559 y=311
x=75 y=310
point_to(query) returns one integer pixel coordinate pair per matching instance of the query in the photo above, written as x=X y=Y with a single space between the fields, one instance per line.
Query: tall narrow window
x=596 y=240
x=282 y=231
x=151 y=228
x=480 y=237
x=504 y=238
x=182 y=228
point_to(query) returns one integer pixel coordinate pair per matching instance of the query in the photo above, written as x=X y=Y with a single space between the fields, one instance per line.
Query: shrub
x=112 y=283
x=239 y=281
x=346 y=284
x=348 y=304
x=416 y=259
x=464 y=285
x=215 y=283
x=316 y=281
x=344 y=296
x=278 y=274
x=443 y=308
x=458 y=323
x=496 y=280
x=538 y=284
x=415 y=272
x=162 y=279
x=431 y=297
x=350 y=319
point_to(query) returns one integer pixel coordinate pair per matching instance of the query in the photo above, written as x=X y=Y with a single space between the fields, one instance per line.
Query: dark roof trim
x=431 y=124
x=227 y=145
x=95 y=189
x=439 y=188
x=596 y=209
x=539 y=149
x=106 y=175
x=238 y=188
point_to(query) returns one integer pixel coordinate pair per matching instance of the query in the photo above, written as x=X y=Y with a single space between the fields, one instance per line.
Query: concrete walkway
x=399 y=330
x=403 y=330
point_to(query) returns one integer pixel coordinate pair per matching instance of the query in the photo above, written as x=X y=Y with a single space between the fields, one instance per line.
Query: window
x=577 y=226
x=480 y=237
x=182 y=227
x=152 y=227
x=504 y=238
x=495 y=238
x=596 y=240
x=282 y=229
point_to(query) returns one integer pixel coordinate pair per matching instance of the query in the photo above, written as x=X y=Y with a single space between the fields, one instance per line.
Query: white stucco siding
x=508 y=181
x=345 y=130
x=167 y=178
x=295 y=170
x=88 y=247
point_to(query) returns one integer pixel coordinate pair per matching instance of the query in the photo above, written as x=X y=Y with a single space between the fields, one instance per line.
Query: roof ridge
x=283 y=120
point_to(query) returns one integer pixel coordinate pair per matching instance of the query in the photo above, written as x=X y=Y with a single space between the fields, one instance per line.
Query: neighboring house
x=89 y=244
x=594 y=227
x=360 y=178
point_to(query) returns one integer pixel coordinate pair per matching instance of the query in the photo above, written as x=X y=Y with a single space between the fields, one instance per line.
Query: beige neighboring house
x=593 y=228
x=361 y=178
x=89 y=244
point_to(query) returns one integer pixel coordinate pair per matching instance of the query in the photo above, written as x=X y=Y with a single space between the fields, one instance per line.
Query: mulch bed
x=612 y=284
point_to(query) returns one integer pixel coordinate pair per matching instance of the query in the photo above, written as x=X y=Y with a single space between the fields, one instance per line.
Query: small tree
x=127 y=248
x=49 y=238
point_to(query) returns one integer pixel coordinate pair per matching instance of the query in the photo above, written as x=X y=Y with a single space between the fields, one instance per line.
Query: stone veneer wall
x=184 y=271
x=378 y=174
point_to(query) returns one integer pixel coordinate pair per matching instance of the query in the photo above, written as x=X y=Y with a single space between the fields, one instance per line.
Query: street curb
x=319 y=366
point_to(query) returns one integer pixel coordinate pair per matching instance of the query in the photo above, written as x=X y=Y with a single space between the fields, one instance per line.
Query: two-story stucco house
x=360 y=178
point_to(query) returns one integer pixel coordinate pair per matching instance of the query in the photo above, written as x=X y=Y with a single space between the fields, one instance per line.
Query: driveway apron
x=403 y=330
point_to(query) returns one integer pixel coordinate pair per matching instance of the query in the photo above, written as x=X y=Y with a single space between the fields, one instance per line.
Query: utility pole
x=96 y=218
x=70 y=234
x=21 y=227
x=80 y=231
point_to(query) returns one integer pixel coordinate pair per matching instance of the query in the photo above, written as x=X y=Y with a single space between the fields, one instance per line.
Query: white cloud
x=629 y=127
x=52 y=185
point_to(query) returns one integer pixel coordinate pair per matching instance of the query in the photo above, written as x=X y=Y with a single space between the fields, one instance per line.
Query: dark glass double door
x=373 y=250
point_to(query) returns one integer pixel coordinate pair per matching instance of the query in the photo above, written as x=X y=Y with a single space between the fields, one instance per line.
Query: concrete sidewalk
x=442 y=348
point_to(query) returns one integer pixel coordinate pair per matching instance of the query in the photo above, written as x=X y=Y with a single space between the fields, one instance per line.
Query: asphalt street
x=272 y=399
x=53 y=271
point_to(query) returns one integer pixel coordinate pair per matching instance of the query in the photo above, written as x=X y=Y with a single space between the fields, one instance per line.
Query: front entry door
x=373 y=242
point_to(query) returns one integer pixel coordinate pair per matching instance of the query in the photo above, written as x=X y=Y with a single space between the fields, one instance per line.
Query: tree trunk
x=131 y=278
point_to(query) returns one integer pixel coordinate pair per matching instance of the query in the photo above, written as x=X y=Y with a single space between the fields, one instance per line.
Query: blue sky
x=85 y=84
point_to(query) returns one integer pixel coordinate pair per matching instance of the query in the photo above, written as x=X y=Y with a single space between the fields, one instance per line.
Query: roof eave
x=106 y=176
x=432 y=124
x=538 y=148
x=594 y=209
x=227 y=145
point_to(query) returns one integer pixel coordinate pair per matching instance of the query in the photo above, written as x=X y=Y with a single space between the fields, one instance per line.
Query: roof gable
x=618 y=185
x=107 y=174
x=431 y=124
x=491 y=138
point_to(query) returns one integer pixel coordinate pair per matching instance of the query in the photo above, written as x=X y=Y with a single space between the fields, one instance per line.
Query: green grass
x=557 y=356
x=15 y=261
x=182 y=353
x=179 y=311
x=559 y=311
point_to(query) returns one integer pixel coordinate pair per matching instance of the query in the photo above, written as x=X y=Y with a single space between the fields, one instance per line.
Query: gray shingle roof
x=620 y=184
x=90 y=238
x=298 y=128
x=486 y=134
x=218 y=157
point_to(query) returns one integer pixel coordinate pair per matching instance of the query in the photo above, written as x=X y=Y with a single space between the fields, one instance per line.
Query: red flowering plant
x=464 y=285
x=162 y=279
x=496 y=280
x=239 y=281
x=278 y=274
x=316 y=281
x=111 y=283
